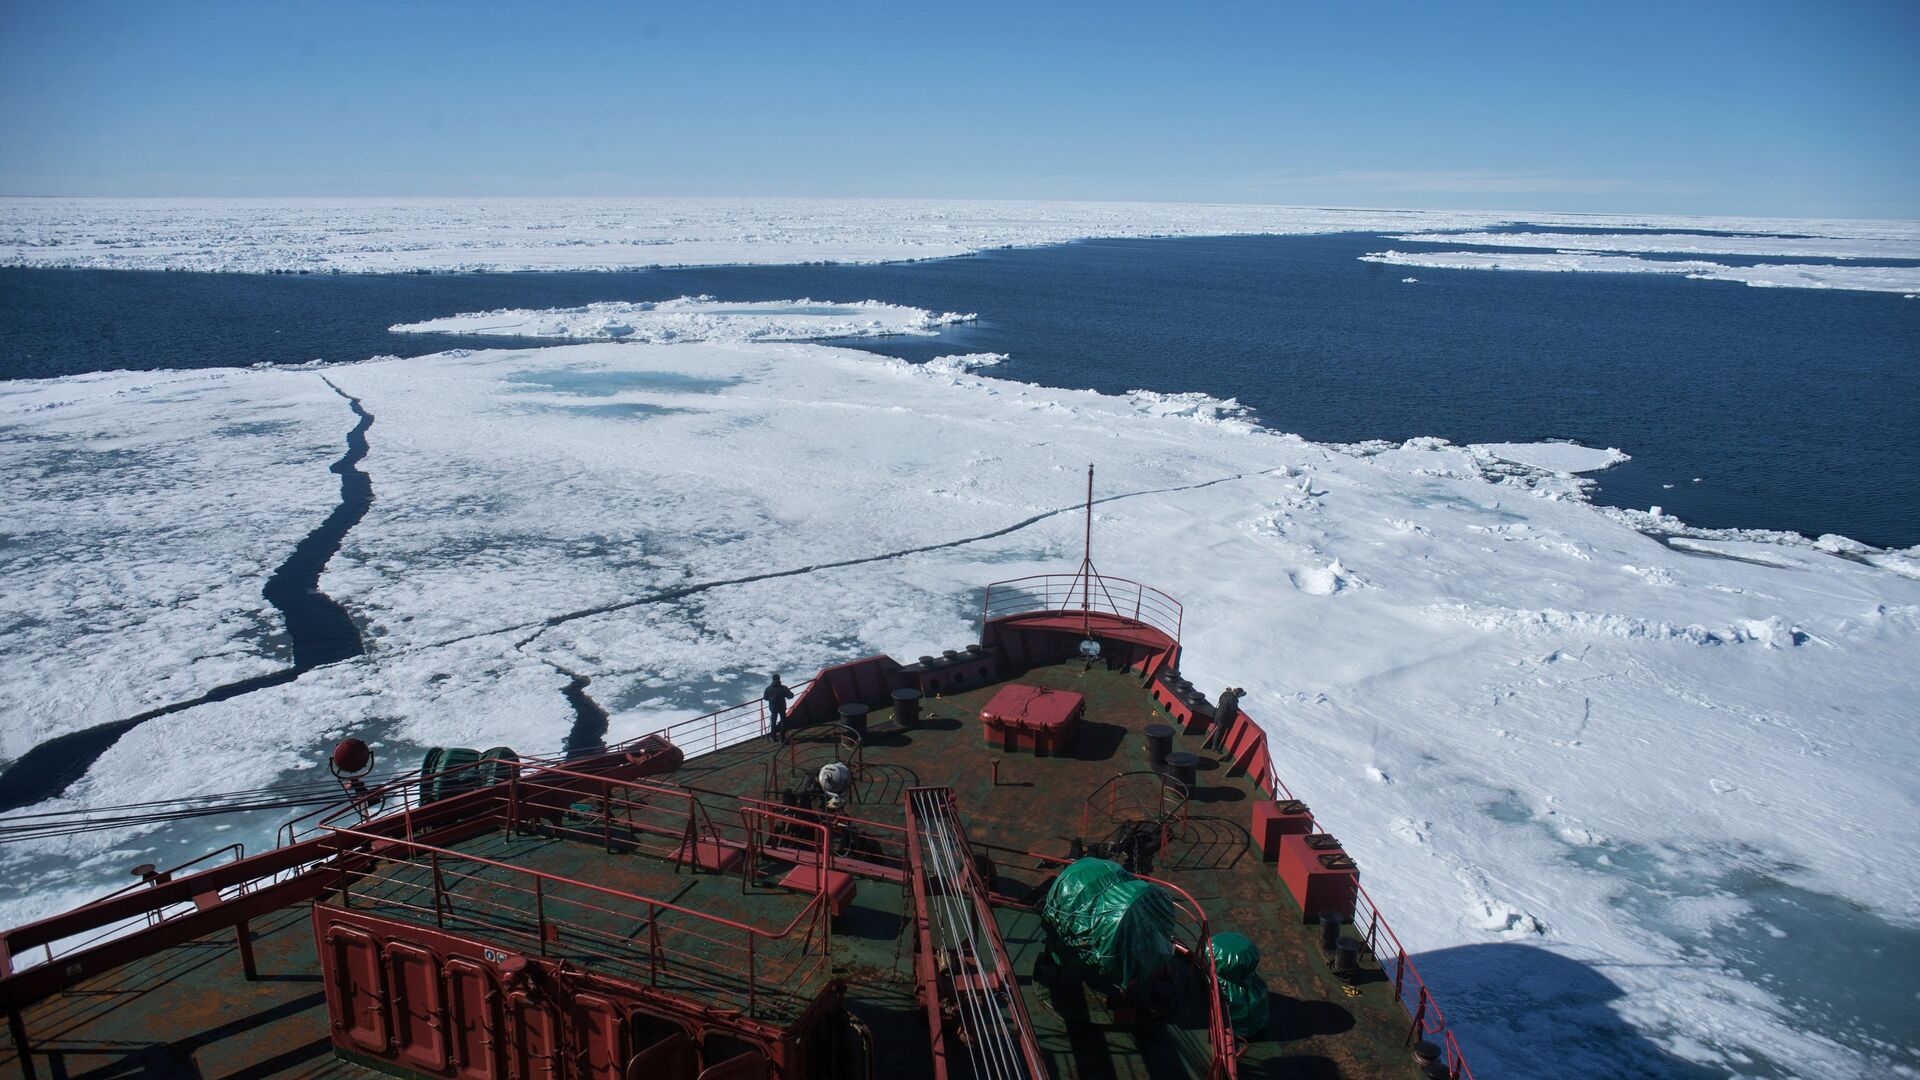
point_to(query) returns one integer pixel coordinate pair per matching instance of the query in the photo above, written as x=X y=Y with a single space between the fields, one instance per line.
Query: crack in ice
x=322 y=631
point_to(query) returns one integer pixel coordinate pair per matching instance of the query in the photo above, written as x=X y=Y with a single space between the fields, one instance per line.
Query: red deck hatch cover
x=1034 y=707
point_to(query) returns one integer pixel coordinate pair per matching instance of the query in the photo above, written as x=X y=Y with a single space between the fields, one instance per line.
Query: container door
x=419 y=1008
x=475 y=1013
x=356 y=990
x=536 y=1043
x=599 y=1042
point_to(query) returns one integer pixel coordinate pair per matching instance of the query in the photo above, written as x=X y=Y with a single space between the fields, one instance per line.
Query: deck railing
x=1196 y=943
x=1140 y=796
x=1191 y=935
x=1409 y=989
x=545 y=914
x=703 y=734
x=1083 y=592
x=52 y=950
x=717 y=730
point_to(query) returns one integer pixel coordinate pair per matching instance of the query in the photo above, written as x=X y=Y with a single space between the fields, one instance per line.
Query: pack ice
x=1554 y=742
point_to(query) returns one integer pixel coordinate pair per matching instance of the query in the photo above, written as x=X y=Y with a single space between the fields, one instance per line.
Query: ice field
x=1640 y=797
x=417 y=235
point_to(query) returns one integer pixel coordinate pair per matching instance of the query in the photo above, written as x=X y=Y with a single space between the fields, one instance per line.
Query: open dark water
x=1796 y=409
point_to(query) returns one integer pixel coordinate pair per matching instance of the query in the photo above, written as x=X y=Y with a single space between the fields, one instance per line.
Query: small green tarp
x=1236 y=960
x=1110 y=920
x=449 y=770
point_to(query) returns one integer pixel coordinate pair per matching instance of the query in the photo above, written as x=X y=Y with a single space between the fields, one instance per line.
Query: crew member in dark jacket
x=1223 y=717
x=776 y=697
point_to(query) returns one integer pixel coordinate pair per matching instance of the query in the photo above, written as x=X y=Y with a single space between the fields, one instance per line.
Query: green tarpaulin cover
x=1235 y=960
x=444 y=771
x=1110 y=920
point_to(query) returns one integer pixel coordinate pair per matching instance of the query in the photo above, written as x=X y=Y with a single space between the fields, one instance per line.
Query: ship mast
x=1084 y=577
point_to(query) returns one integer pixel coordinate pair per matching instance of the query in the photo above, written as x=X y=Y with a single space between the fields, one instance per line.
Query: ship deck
x=187 y=1012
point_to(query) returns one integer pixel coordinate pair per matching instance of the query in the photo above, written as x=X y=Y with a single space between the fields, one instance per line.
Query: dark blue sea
x=1795 y=409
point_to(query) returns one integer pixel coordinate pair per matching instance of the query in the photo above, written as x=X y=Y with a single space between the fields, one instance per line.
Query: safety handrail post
x=513 y=800
x=540 y=912
x=653 y=944
x=439 y=891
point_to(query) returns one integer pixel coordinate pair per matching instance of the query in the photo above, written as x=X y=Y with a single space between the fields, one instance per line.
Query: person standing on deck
x=1223 y=718
x=776 y=697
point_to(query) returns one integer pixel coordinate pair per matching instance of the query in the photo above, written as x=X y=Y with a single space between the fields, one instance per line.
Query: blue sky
x=1689 y=107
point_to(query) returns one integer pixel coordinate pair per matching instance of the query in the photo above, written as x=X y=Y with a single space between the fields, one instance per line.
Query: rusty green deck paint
x=188 y=1011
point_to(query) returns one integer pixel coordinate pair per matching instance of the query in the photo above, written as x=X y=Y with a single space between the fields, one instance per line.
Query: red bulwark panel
x=1030 y=717
x=418 y=1035
x=476 y=1021
x=1319 y=875
x=536 y=1042
x=356 y=992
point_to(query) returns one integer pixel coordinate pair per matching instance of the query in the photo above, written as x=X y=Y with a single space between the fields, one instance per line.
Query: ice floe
x=1898 y=240
x=1552 y=690
x=695 y=318
x=965 y=363
x=1554 y=456
x=1895 y=279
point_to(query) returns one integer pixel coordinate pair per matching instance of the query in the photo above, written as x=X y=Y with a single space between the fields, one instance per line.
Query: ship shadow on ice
x=1531 y=1011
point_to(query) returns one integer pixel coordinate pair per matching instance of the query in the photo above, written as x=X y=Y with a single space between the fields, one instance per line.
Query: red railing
x=49 y=951
x=1143 y=795
x=1192 y=918
x=546 y=913
x=697 y=735
x=1083 y=592
x=716 y=730
x=1409 y=989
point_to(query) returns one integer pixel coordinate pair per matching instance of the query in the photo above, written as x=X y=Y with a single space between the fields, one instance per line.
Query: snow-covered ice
x=1541 y=731
x=1861 y=240
x=142 y=514
x=1895 y=279
x=965 y=363
x=1554 y=456
x=499 y=234
x=695 y=318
